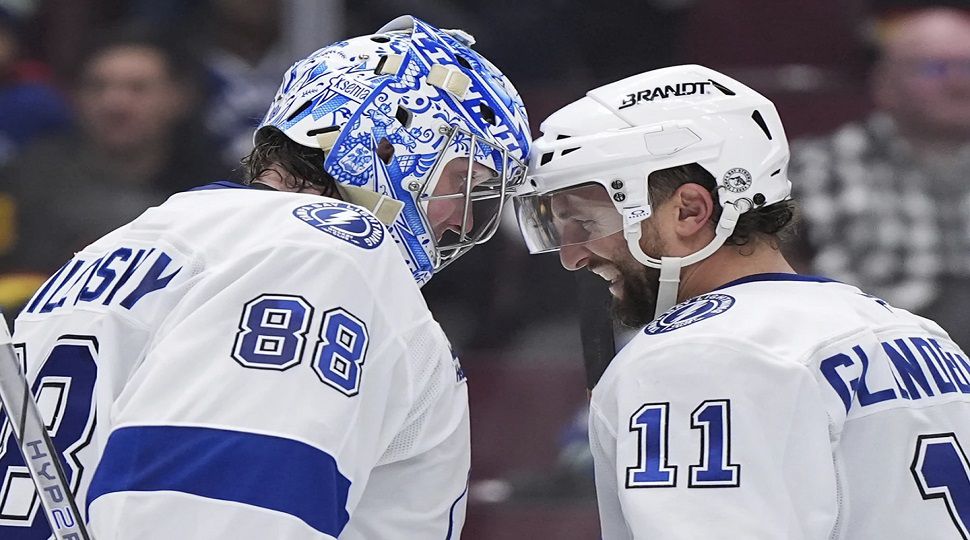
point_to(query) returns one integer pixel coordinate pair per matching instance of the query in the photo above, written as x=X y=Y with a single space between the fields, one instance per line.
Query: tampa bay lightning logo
x=344 y=221
x=696 y=310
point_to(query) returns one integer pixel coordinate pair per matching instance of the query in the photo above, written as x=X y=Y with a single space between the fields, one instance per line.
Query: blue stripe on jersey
x=776 y=277
x=222 y=184
x=249 y=468
x=451 y=514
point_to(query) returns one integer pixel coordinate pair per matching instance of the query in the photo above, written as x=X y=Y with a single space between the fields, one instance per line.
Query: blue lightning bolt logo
x=343 y=221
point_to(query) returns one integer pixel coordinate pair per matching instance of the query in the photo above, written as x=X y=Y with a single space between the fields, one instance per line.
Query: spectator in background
x=243 y=64
x=29 y=105
x=886 y=201
x=134 y=145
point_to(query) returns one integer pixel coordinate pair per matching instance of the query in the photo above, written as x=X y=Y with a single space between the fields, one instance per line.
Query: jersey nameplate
x=696 y=310
x=344 y=221
x=119 y=278
x=907 y=369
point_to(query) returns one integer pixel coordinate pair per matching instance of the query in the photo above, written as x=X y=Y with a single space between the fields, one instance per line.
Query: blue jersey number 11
x=713 y=419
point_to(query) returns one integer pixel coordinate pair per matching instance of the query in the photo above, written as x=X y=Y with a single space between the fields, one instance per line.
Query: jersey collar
x=776 y=276
x=228 y=184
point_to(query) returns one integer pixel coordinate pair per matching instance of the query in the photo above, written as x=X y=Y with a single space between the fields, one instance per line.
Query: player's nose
x=574 y=257
x=469 y=219
x=458 y=216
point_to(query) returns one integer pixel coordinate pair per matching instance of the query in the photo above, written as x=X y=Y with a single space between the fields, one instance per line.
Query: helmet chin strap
x=670 y=266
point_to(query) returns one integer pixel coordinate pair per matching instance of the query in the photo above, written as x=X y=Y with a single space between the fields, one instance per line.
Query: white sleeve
x=603 y=447
x=265 y=402
x=428 y=461
x=712 y=440
x=434 y=485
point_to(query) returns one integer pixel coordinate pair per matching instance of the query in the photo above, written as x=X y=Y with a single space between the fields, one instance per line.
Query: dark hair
x=179 y=63
x=774 y=222
x=303 y=165
x=883 y=14
x=882 y=8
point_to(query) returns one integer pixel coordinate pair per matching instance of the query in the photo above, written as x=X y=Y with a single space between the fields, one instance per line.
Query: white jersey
x=249 y=364
x=784 y=406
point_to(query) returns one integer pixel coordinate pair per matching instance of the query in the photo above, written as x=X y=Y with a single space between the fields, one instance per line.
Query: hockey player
x=764 y=404
x=257 y=361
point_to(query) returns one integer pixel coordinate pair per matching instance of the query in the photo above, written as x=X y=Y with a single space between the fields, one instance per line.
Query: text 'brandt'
x=663 y=92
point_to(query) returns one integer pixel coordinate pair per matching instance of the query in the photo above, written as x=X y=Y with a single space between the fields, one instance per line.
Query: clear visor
x=573 y=215
x=467 y=190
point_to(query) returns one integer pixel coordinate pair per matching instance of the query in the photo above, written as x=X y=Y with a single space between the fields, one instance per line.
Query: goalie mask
x=588 y=173
x=416 y=127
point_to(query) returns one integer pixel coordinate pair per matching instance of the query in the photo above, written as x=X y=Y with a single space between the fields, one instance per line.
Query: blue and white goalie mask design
x=412 y=114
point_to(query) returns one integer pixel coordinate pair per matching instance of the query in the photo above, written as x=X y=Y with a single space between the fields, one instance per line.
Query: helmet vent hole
x=385 y=151
x=568 y=150
x=380 y=39
x=487 y=113
x=546 y=158
x=559 y=137
x=297 y=112
x=776 y=173
x=319 y=131
x=760 y=120
x=404 y=116
x=724 y=89
x=463 y=62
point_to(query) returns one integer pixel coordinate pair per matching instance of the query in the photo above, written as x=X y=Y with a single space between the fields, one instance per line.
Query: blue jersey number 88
x=272 y=335
x=340 y=353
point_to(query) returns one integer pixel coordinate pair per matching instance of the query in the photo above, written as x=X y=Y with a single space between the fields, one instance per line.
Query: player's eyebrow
x=568 y=210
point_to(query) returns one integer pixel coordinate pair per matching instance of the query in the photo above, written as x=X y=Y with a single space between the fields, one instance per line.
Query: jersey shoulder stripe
x=221 y=184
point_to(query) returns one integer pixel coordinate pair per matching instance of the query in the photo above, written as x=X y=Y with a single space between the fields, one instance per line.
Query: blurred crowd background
x=109 y=106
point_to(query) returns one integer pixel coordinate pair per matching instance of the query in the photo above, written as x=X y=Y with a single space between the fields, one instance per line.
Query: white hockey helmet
x=599 y=151
x=427 y=94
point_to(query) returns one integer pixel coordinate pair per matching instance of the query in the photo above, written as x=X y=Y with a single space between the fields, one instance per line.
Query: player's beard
x=637 y=303
x=636 y=306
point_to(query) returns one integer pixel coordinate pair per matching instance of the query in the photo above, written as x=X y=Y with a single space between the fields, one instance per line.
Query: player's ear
x=695 y=209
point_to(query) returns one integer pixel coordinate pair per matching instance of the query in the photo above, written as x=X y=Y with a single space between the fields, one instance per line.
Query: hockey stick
x=39 y=453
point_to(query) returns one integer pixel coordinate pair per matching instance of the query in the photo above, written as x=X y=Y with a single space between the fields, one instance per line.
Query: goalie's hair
x=303 y=165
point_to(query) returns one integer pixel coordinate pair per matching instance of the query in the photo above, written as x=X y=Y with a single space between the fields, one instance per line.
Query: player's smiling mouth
x=612 y=275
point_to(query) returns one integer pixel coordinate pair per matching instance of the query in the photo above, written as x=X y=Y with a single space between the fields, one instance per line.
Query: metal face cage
x=463 y=199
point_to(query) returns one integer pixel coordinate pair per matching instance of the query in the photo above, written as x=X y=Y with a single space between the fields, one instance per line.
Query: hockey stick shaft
x=595 y=326
x=39 y=453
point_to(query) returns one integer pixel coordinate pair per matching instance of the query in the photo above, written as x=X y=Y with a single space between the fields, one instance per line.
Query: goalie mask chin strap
x=670 y=266
x=384 y=208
